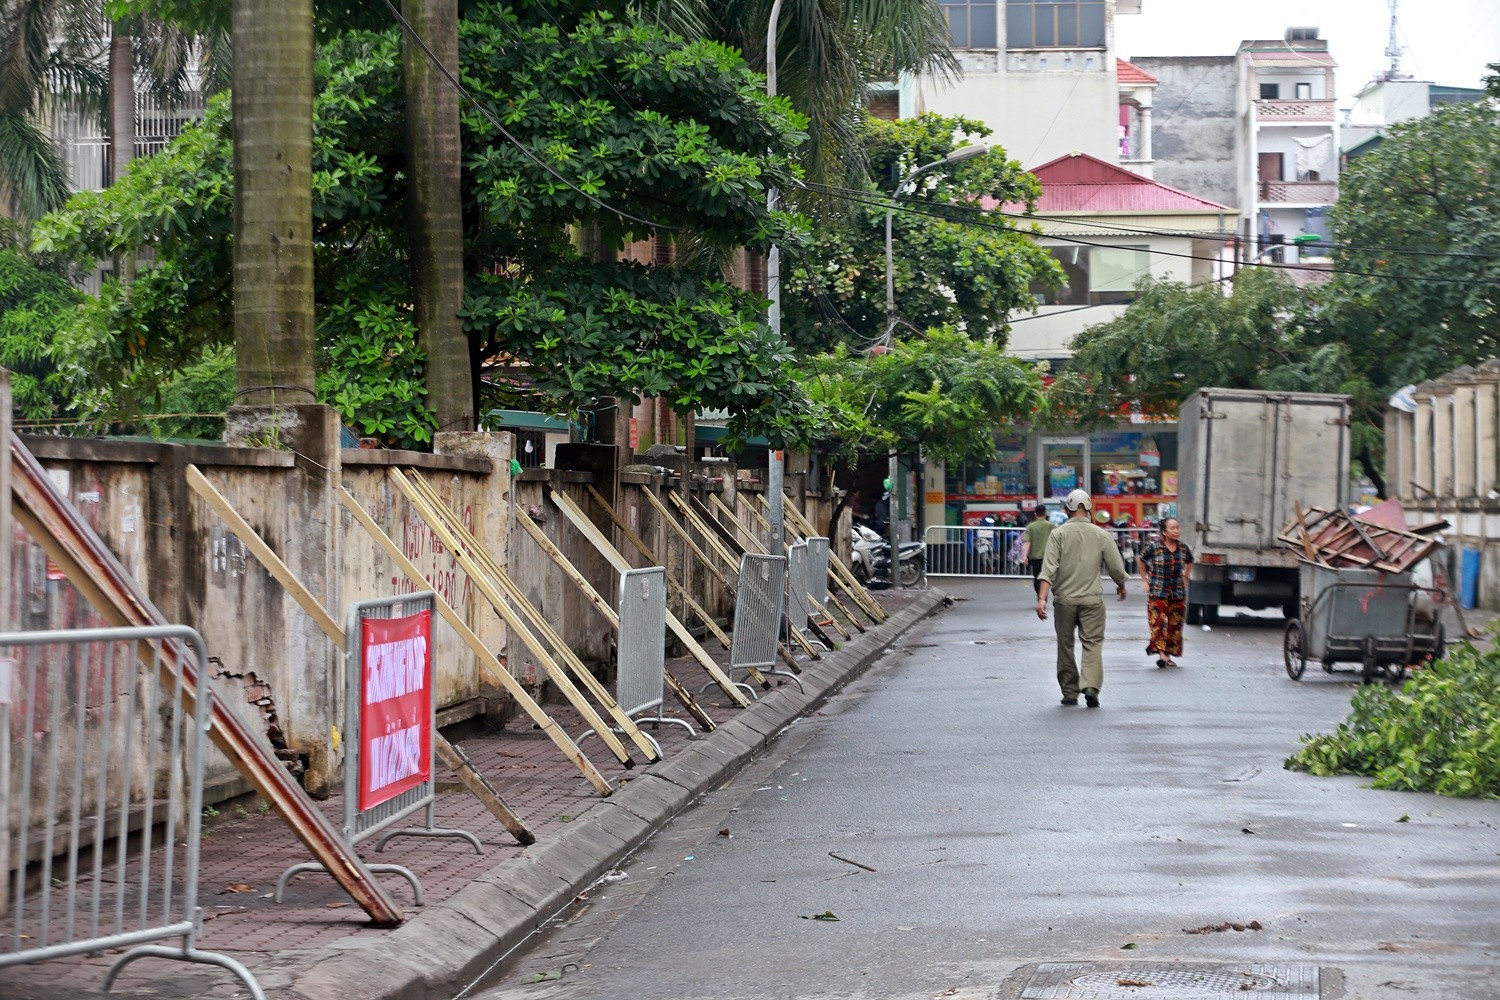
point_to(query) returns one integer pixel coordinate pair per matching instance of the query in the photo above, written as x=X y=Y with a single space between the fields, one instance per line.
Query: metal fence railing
x=995 y=550
x=641 y=654
x=759 y=601
x=102 y=744
x=390 y=723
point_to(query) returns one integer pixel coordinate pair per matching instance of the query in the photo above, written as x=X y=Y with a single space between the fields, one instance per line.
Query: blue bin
x=1468 y=578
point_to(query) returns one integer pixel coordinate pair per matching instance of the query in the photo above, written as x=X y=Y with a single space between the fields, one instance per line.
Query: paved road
x=1007 y=831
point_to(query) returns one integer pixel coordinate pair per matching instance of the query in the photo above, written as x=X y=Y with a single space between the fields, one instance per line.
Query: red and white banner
x=395 y=707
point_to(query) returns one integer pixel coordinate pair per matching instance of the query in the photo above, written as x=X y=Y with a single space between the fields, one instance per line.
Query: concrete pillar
x=1145 y=151
x=934 y=508
x=1442 y=441
x=1464 y=392
x=1421 y=478
x=1398 y=430
x=1487 y=428
x=309 y=537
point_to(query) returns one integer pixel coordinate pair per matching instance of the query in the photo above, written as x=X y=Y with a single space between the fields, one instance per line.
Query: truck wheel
x=1289 y=610
x=1292 y=651
x=1195 y=614
x=1210 y=614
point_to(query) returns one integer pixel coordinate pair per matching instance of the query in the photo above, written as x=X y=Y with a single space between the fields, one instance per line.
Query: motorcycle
x=871 y=561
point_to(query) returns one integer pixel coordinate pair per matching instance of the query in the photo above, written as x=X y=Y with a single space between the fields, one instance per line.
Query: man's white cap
x=1077 y=499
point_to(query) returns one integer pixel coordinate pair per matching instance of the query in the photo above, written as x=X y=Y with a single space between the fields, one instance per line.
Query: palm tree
x=273 y=262
x=828 y=51
x=48 y=59
x=435 y=211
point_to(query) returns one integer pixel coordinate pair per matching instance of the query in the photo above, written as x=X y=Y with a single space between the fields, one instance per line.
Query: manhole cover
x=1106 y=981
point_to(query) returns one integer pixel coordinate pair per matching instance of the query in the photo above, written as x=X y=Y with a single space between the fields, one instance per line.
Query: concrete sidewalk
x=317 y=946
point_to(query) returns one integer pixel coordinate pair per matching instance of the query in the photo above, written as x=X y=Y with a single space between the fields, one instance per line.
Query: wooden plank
x=478 y=785
x=533 y=529
x=278 y=569
x=579 y=520
x=555 y=672
x=491 y=667
x=683 y=534
x=534 y=618
x=754 y=544
x=639 y=544
x=691 y=519
x=76 y=549
x=837 y=566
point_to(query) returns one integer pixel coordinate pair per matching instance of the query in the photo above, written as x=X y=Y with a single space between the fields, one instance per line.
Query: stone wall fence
x=1442 y=448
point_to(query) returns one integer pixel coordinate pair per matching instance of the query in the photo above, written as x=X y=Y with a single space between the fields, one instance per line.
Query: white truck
x=1246 y=460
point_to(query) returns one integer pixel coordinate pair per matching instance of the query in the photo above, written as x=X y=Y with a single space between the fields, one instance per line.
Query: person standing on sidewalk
x=1034 y=544
x=1165 y=564
x=1070 y=573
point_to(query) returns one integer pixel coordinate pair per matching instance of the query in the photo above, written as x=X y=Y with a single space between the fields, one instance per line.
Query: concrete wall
x=1194 y=128
x=1443 y=461
x=1037 y=114
x=7 y=606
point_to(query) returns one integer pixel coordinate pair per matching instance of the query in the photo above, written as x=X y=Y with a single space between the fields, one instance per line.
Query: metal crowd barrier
x=641 y=654
x=390 y=722
x=995 y=550
x=759 y=601
x=102 y=742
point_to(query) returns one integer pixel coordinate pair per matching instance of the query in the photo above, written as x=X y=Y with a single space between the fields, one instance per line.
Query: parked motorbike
x=871 y=558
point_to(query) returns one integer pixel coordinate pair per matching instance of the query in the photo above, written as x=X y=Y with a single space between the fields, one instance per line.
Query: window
x=971 y=23
x=1270 y=91
x=1304 y=91
x=1095 y=276
x=1052 y=24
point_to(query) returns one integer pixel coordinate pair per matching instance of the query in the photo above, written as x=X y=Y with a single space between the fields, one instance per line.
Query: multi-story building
x=1389 y=101
x=1287 y=154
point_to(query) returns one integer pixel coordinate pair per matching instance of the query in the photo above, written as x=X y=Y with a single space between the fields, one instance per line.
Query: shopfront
x=1129 y=470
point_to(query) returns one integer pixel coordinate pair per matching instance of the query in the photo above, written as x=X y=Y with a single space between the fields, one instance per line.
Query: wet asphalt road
x=1006 y=830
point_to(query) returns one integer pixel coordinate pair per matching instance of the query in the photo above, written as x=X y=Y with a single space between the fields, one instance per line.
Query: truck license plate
x=1242 y=574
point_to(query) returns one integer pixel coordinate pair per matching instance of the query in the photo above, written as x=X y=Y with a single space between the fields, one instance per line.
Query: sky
x=1446 y=42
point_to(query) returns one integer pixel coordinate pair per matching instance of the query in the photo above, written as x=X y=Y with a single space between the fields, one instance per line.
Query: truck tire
x=1210 y=614
x=1195 y=614
x=1289 y=610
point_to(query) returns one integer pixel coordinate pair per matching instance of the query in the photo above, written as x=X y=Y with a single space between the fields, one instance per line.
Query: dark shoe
x=1150 y=650
x=1160 y=662
x=1070 y=701
x=1091 y=697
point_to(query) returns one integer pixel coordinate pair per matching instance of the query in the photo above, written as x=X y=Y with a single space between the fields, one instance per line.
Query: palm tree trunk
x=273 y=264
x=121 y=122
x=435 y=216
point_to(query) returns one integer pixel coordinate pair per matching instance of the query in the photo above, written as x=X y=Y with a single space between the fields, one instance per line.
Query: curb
x=447 y=946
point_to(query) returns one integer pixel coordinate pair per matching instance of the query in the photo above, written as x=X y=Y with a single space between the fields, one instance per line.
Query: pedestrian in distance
x=1070 y=573
x=1034 y=544
x=1165 y=564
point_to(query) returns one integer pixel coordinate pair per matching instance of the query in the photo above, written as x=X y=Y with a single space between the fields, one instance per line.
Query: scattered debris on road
x=1253 y=925
x=849 y=861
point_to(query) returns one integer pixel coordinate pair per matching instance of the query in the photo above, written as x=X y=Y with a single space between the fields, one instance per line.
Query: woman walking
x=1165 y=562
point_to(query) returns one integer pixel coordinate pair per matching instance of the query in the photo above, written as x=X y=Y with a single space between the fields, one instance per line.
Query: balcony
x=1299 y=192
x=1300 y=112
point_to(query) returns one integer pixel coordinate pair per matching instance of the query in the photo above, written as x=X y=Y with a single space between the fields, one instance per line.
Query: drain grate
x=1110 y=981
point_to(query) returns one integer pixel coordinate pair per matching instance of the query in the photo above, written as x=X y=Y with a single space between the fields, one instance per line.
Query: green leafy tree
x=36 y=303
x=942 y=394
x=952 y=264
x=618 y=127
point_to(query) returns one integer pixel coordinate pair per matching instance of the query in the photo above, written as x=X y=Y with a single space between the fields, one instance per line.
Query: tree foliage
x=953 y=266
x=1174 y=338
x=619 y=129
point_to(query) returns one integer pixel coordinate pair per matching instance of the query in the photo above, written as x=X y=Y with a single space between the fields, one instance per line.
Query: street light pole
x=775 y=536
x=895 y=501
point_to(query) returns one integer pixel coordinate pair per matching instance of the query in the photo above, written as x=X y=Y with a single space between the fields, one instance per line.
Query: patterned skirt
x=1165 y=615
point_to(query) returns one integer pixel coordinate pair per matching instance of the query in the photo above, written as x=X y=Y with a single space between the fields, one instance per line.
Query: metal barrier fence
x=995 y=550
x=759 y=600
x=641 y=656
x=390 y=721
x=110 y=742
x=818 y=549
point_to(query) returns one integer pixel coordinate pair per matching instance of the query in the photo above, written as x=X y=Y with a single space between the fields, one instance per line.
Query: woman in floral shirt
x=1165 y=562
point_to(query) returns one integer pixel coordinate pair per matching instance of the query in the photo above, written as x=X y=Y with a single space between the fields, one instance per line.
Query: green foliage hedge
x=1439 y=733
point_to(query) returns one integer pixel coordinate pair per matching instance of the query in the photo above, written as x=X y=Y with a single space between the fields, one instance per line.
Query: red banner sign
x=395 y=707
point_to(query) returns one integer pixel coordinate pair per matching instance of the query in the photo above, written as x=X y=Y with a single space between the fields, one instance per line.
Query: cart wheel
x=1292 y=651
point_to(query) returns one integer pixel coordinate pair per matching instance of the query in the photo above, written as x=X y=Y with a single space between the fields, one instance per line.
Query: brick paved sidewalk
x=242 y=856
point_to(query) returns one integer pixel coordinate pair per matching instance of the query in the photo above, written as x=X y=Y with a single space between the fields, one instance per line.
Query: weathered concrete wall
x=1443 y=461
x=7 y=606
x=1194 y=128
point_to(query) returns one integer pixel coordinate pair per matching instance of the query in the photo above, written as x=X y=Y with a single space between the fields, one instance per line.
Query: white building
x=1288 y=148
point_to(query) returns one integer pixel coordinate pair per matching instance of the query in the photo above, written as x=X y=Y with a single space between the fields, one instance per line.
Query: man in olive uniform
x=1034 y=544
x=1070 y=572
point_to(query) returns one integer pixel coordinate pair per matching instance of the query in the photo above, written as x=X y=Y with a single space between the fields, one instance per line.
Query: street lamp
x=957 y=156
x=896 y=501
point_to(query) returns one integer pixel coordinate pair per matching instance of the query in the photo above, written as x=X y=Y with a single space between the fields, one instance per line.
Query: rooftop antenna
x=1393 y=49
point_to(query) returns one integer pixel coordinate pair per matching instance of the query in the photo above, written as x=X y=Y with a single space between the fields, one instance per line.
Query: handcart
x=1377 y=619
